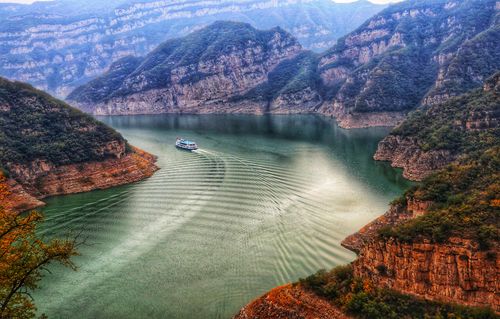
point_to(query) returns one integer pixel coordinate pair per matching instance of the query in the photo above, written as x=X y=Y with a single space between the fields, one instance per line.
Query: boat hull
x=186 y=148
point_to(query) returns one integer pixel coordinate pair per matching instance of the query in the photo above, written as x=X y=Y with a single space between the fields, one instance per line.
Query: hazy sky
x=374 y=1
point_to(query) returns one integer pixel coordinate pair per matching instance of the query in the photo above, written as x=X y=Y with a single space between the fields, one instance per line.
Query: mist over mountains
x=59 y=45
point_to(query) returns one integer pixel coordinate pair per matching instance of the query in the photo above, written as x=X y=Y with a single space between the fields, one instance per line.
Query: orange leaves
x=23 y=256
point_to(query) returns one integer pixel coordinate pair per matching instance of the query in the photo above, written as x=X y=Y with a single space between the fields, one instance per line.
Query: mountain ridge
x=403 y=58
x=199 y=73
x=46 y=45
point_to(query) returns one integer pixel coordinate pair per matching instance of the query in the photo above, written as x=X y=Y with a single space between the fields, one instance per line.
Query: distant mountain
x=58 y=45
x=203 y=72
x=410 y=54
x=49 y=148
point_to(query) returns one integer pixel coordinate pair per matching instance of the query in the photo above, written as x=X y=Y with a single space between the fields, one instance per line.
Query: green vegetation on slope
x=460 y=40
x=466 y=124
x=154 y=71
x=464 y=195
x=466 y=203
x=34 y=125
x=359 y=298
x=290 y=76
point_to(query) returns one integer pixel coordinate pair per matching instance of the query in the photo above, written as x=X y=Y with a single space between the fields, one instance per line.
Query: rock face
x=49 y=148
x=196 y=74
x=457 y=272
x=16 y=199
x=291 y=302
x=406 y=153
x=464 y=123
x=43 y=180
x=410 y=54
x=394 y=216
x=57 y=46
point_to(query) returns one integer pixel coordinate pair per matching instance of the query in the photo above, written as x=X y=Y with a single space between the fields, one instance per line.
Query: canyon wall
x=410 y=55
x=31 y=183
x=49 y=148
x=456 y=272
x=406 y=153
x=437 y=135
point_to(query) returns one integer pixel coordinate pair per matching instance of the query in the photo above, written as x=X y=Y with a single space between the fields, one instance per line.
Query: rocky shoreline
x=406 y=154
x=77 y=178
x=455 y=272
x=291 y=302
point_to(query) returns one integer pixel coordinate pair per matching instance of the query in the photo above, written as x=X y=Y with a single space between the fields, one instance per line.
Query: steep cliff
x=199 y=73
x=411 y=54
x=434 y=136
x=61 y=44
x=456 y=271
x=49 y=148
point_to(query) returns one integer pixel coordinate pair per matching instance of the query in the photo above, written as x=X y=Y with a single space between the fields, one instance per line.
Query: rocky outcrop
x=42 y=180
x=397 y=214
x=457 y=271
x=15 y=198
x=471 y=121
x=405 y=153
x=79 y=42
x=290 y=302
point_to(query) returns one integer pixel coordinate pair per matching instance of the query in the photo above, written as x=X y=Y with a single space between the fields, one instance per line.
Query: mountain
x=198 y=73
x=435 y=253
x=436 y=135
x=410 y=54
x=58 y=45
x=49 y=148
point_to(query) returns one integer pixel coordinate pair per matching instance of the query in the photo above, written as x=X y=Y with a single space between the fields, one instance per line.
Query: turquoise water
x=264 y=201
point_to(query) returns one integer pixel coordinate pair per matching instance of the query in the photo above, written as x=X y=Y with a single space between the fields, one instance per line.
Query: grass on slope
x=34 y=125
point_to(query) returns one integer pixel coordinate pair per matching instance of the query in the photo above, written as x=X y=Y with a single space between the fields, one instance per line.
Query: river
x=264 y=201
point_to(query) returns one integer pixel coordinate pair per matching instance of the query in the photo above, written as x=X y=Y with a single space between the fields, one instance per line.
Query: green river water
x=264 y=201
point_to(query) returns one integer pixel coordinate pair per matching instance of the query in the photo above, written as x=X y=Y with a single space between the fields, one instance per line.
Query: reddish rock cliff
x=290 y=302
x=48 y=180
x=456 y=271
x=15 y=198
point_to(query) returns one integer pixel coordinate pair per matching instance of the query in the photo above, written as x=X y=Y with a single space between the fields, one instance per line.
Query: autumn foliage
x=24 y=257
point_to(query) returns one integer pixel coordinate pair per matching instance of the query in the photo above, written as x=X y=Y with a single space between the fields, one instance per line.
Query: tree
x=23 y=258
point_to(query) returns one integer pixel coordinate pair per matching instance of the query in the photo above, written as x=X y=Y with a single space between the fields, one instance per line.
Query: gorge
x=279 y=188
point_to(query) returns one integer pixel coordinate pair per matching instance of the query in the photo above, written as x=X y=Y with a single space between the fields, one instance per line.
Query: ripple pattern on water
x=209 y=231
